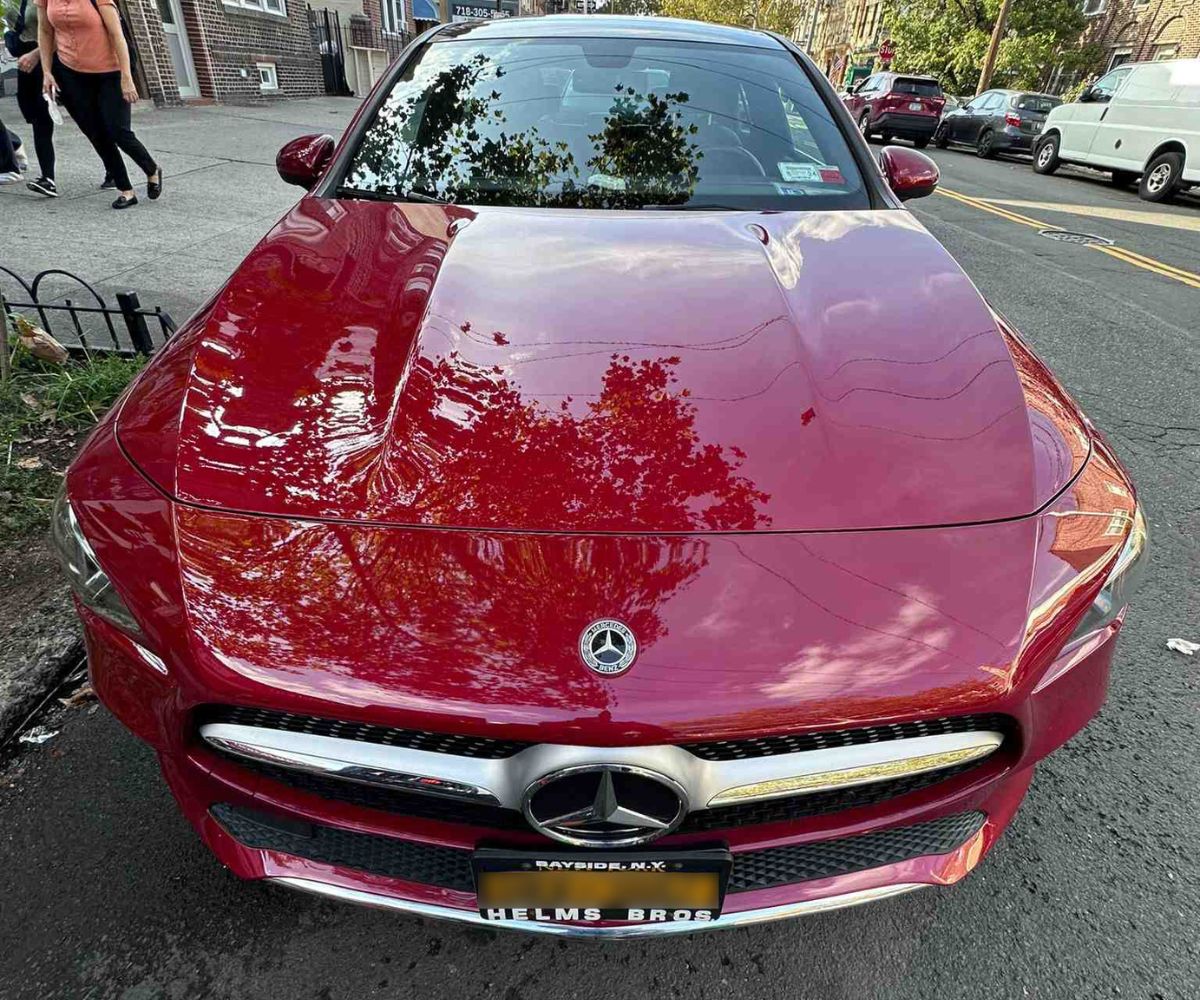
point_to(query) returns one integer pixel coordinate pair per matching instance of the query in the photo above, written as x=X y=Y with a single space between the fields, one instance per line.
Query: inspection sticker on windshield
x=814 y=173
x=799 y=172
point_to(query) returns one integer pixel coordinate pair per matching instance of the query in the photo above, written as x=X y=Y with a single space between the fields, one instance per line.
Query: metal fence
x=78 y=325
x=354 y=52
x=326 y=29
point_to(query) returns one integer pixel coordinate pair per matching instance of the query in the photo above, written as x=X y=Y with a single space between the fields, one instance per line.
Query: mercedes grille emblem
x=608 y=647
x=604 y=805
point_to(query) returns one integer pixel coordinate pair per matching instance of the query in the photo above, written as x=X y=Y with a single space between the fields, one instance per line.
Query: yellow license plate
x=598 y=888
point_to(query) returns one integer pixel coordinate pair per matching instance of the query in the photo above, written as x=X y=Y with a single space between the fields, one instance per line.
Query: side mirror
x=302 y=161
x=1086 y=96
x=909 y=174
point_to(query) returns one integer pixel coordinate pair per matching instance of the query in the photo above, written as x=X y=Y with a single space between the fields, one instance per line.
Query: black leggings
x=102 y=114
x=33 y=108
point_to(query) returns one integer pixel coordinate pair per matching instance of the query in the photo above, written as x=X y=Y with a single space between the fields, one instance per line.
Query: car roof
x=609 y=26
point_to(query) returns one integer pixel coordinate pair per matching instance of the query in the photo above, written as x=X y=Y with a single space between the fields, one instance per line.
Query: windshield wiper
x=410 y=195
x=697 y=206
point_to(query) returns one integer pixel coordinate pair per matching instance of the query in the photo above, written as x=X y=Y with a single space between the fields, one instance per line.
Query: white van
x=1142 y=120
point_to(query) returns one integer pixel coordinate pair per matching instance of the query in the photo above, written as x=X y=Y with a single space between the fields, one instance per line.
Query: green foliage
x=784 y=16
x=949 y=39
x=43 y=407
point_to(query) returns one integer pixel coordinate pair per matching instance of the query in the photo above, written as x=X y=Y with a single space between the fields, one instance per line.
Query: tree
x=949 y=39
x=784 y=16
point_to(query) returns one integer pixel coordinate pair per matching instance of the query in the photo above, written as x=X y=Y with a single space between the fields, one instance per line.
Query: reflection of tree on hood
x=448 y=141
x=632 y=459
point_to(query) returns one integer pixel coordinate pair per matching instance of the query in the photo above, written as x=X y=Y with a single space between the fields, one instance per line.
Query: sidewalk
x=221 y=194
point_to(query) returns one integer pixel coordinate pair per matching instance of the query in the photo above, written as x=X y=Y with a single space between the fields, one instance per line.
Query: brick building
x=846 y=42
x=1134 y=31
x=245 y=51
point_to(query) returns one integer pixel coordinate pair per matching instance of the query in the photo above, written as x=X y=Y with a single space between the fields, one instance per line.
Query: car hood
x=579 y=372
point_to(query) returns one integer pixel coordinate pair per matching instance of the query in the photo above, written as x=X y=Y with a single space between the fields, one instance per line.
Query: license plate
x=591 y=888
x=915 y=106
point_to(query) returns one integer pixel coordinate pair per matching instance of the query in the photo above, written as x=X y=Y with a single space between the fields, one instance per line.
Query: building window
x=1093 y=7
x=270 y=6
x=1119 y=57
x=393 y=16
x=268 y=76
x=1161 y=53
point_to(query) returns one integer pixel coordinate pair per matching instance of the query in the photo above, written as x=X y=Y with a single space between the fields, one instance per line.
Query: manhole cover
x=1082 y=239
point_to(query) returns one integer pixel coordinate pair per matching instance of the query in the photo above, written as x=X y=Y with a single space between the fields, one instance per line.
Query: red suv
x=893 y=104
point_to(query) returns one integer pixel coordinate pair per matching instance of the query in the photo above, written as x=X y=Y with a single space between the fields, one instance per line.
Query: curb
x=35 y=658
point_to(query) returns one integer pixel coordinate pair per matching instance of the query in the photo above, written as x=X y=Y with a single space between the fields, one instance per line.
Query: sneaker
x=22 y=159
x=107 y=184
x=10 y=178
x=44 y=185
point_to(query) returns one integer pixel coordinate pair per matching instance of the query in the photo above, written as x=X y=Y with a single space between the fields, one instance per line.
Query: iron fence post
x=135 y=322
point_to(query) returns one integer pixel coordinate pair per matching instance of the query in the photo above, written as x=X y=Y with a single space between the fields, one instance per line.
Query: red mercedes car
x=549 y=526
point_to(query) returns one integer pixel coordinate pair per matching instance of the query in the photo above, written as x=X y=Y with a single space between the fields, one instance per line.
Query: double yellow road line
x=1120 y=253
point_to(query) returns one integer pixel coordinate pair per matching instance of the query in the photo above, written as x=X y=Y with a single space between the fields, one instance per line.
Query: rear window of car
x=1035 y=102
x=605 y=123
x=921 y=88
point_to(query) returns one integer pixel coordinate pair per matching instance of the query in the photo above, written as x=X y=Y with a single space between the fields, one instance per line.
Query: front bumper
x=204 y=782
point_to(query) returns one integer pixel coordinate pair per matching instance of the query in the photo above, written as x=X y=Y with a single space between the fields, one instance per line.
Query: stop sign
x=886 y=52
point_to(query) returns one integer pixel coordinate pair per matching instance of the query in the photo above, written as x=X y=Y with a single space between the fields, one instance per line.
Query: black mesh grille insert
x=450 y=868
x=769 y=746
x=822 y=859
x=413 y=739
x=407 y=859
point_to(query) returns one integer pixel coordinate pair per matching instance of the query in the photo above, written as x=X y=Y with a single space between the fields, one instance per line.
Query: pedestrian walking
x=21 y=40
x=85 y=58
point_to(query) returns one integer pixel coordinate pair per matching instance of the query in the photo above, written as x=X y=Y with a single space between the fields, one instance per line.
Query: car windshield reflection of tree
x=449 y=141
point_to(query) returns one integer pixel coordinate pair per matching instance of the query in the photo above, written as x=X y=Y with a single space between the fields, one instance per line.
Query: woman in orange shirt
x=84 y=56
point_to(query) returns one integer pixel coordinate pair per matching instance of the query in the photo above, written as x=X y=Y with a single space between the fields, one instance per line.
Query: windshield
x=606 y=123
x=1036 y=102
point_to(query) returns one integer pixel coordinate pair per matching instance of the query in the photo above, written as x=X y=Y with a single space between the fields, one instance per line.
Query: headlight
x=1122 y=580
x=90 y=583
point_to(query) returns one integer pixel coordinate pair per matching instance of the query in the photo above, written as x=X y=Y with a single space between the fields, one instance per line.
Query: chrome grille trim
x=504 y=781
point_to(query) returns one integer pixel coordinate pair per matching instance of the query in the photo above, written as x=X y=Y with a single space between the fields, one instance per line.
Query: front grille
x=362 y=732
x=825 y=858
x=769 y=746
x=450 y=868
x=398 y=802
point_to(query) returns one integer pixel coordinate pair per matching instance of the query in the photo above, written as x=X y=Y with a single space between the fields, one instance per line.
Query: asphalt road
x=1094 y=892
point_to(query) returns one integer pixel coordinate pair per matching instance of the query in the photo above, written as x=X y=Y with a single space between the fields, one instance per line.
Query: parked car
x=550 y=484
x=897 y=105
x=997 y=121
x=1141 y=122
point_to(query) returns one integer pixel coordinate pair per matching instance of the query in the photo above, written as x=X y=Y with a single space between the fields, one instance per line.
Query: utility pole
x=444 y=11
x=989 y=62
